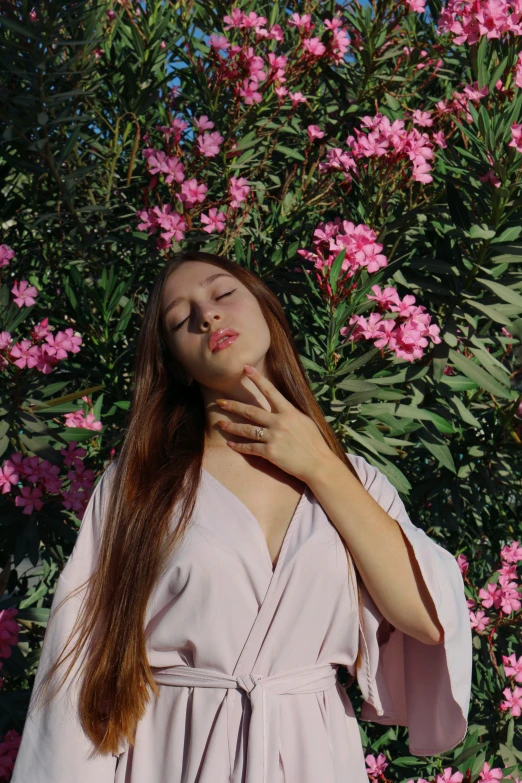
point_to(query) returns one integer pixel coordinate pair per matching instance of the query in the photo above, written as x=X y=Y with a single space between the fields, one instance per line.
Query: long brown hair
x=158 y=467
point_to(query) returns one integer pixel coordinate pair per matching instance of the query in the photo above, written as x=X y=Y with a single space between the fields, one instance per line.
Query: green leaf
x=289 y=152
x=509 y=235
x=309 y=364
x=459 y=383
x=481 y=232
x=336 y=268
x=408 y=412
x=352 y=384
x=494 y=313
x=477 y=374
x=40 y=616
x=441 y=452
x=505 y=293
x=41 y=448
x=465 y=413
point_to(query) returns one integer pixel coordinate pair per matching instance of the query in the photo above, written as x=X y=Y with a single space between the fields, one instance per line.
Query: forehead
x=191 y=277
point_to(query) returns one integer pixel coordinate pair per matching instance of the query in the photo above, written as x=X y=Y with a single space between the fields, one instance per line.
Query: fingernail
x=249 y=369
x=224 y=403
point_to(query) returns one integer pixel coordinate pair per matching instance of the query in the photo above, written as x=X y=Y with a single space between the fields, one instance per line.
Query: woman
x=223 y=571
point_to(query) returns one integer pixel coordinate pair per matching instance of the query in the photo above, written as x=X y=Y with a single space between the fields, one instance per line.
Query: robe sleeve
x=403 y=681
x=54 y=748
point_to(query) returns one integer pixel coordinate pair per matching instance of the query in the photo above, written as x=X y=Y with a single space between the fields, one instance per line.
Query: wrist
x=324 y=467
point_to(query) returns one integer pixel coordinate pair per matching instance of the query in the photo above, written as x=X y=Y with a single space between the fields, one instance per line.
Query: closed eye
x=175 y=328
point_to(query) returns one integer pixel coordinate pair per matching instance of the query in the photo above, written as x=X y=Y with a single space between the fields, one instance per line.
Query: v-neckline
x=254 y=519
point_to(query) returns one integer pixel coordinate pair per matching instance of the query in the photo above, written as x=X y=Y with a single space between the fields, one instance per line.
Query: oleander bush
x=364 y=159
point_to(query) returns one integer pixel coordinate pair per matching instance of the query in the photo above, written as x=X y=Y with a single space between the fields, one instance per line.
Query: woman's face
x=194 y=307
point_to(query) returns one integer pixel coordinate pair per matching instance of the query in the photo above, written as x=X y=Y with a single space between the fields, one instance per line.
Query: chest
x=270 y=497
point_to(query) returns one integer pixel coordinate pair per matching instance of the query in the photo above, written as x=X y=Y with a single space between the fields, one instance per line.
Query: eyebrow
x=203 y=284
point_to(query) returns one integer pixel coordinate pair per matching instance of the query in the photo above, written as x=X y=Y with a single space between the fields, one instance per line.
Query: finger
x=255 y=449
x=244 y=430
x=278 y=402
x=252 y=412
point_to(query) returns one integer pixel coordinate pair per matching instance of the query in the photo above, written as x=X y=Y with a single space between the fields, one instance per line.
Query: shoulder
x=98 y=499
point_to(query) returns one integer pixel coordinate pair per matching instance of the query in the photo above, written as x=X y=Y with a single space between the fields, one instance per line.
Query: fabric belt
x=264 y=692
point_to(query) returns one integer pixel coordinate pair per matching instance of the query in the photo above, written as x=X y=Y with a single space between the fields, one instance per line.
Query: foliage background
x=85 y=92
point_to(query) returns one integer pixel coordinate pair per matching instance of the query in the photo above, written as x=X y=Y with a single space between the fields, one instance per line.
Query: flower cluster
x=380 y=138
x=250 y=75
x=173 y=225
x=502 y=595
x=8 y=752
x=34 y=477
x=8 y=633
x=469 y=20
x=377 y=766
x=6 y=254
x=43 y=351
x=407 y=334
x=359 y=241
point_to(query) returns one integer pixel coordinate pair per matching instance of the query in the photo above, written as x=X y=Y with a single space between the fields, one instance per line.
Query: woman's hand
x=291 y=439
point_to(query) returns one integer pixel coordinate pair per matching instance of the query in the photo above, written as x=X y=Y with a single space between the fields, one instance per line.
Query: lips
x=217 y=335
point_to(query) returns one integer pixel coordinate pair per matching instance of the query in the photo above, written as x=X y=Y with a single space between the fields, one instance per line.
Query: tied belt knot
x=247 y=682
x=263 y=692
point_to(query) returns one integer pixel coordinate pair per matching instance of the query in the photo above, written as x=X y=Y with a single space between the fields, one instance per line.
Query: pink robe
x=245 y=656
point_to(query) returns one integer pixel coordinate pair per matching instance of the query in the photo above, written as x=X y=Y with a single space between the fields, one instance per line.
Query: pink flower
x=5 y=340
x=302 y=23
x=79 y=419
x=488 y=773
x=172 y=222
x=422 y=118
x=217 y=42
x=24 y=354
x=215 y=220
x=314 y=132
x=203 y=123
x=511 y=553
x=512 y=666
x=376 y=766
x=462 y=560
x=9 y=748
x=314 y=47
x=249 y=92
x=449 y=777
x=492 y=178
x=417 y=6
x=209 y=144
x=516 y=136
x=513 y=701
x=238 y=190
x=9 y=628
x=24 y=293
x=62 y=343
x=73 y=456
x=234 y=20
x=8 y=477
x=6 y=254
x=41 y=329
x=479 y=620
x=297 y=97
x=29 y=499
x=192 y=193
